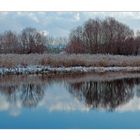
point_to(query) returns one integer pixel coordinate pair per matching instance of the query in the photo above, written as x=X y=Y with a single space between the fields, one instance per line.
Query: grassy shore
x=67 y=60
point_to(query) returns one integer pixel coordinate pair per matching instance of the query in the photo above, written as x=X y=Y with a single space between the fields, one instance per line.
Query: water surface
x=91 y=101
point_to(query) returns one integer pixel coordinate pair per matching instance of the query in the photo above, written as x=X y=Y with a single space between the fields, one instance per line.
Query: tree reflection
x=31 y=94
x=95 y=94
x=104 y=94
x=9 y=91
x=28 y=95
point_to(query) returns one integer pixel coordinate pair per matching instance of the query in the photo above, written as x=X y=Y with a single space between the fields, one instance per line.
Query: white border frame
x=70 y=5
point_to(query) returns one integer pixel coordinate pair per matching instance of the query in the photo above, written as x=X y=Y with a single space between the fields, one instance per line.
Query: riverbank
x=68 y=60
x=66 y=63
x=66 y=78
x=58 y=70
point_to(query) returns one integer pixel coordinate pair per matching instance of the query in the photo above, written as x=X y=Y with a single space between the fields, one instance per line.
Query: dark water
x=44 y=102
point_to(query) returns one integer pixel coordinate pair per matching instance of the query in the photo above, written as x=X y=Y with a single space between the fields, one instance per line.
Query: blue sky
x=60 y=23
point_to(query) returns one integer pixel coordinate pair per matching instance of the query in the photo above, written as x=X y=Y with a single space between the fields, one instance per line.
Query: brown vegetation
x=67 y=60
x=107 y=36
x=29 y=41
x=104 y=36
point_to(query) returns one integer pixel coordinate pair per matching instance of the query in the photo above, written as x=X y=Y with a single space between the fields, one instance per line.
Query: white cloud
x=4 y=105
x=33 y=17
x=77 y=16
x=13 y=109
x=132 y=105
x=45 y=32
x=4 y=13
x=54 y=101
x=60 y=23
x=60 y=103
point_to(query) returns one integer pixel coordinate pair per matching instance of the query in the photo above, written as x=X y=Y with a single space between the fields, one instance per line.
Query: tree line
x=107 y=36
x=30 y=40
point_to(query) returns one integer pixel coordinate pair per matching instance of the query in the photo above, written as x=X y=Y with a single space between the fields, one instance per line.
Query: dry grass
x=66 y=60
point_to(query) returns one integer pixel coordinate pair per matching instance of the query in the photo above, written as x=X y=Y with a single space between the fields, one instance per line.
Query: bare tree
x=96 y=36
x=29 y=41
x=8 y=42
x=76 y=44
x=137 y=43
x=92 y=35
x=33 y=41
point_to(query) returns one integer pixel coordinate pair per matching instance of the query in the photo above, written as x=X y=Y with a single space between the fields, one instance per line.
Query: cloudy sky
x=60 y=23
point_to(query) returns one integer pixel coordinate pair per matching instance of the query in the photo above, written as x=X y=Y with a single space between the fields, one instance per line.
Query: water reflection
x=18 y=96
x=104 y=94
x=91 y=94
x=31 y=94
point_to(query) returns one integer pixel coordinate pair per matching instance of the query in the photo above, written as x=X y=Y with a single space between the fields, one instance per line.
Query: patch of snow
x=33 y=69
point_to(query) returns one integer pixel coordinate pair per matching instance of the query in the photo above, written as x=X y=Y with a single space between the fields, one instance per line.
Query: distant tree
x=56 y=44
x=29 y=41
x=76 y=44
x=96 y=36
x=33 y=41
x=8 y=42
x=116 y=35
x=92 y=35
x=137 y=43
